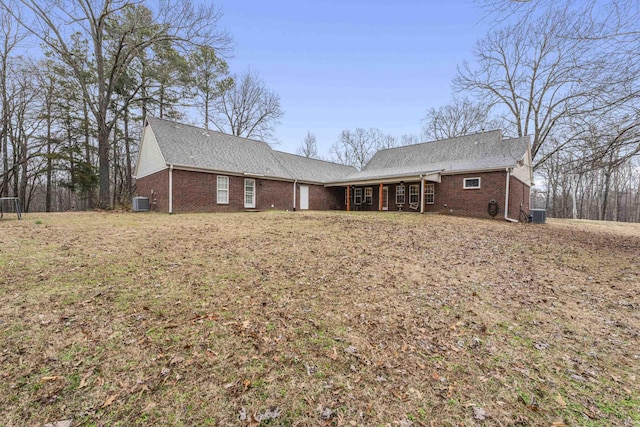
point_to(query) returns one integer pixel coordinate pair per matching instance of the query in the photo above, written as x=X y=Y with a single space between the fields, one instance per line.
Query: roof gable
x=150 y=159
x=190 y=146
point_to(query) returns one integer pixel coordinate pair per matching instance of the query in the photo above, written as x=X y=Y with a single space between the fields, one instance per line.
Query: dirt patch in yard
x=317 y=319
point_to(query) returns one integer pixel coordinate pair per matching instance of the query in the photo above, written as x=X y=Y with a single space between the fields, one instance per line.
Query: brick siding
x=452 y=198
x=197 y=191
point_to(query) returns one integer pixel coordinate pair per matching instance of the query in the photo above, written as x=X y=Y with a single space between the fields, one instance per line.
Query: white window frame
x=222 y=190
x=400 y=192
x=471 y=187
x=429 y=194
x=357 y=196
x=414 y=194
x=368 y=196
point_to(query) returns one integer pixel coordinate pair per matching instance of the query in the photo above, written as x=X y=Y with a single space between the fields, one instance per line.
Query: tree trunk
x=87 y=151
x=127 y=148
x=49 y=184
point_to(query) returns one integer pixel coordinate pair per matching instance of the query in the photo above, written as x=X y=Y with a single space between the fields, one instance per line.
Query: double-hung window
x=368 y=196
x=414 y=194
x=357 y=196
x=429 y=193
x=223 y=190
x=400 y=195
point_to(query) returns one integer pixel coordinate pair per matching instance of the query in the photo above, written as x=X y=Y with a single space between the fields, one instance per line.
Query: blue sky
x=345 y=64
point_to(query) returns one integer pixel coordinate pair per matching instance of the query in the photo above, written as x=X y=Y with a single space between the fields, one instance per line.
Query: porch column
x=380 y=197
x=421 y=194
x=348 y=198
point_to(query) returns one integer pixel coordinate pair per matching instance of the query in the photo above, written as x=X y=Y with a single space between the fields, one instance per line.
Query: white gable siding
x=523 y=170
x=150 y=159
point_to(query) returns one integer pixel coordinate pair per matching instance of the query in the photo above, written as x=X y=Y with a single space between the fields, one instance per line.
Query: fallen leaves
x=319 y=319
x=52 y=378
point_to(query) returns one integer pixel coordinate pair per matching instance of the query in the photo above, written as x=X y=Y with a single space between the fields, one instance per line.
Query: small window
x=223 y=190
x=471 y=183
x=357 y=196
x=414 y=194
x=429 y=193
x=400 y=195
x=368 y=196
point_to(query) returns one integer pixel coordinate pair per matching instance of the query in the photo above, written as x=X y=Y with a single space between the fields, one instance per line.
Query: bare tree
x=410 y=139
x=248 y=108
x=118 y=30
x=541 y=80
x=356 y=148
x=309 y=147
x=461 y=117
x=10 y=36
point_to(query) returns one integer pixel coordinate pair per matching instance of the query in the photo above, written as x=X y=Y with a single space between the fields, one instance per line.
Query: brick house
x=182 y=168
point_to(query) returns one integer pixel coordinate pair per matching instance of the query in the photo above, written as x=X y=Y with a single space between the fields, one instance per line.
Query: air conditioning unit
x=538 y=216
x=140 y=204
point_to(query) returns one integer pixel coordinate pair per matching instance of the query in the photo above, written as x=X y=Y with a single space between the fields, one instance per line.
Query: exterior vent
x=140 y=204
x=537 y=216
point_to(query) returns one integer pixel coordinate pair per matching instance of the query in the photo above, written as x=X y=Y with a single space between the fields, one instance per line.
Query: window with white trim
x=357 y=196
x=400 y=195
x=223 y=190
x=414 y=194
x=471 y=183
x=368 y=195
x=429 y=194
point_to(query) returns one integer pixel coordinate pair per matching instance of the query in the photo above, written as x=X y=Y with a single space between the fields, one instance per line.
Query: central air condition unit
x=538 y=216
x=140 y=204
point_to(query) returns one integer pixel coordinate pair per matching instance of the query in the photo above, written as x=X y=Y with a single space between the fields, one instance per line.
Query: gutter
x=506 y=198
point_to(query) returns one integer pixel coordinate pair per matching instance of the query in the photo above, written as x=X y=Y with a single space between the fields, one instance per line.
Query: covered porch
x=408 y=193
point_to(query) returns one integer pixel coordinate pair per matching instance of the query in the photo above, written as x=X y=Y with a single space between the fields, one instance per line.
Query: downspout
x=295 y=182
x=170 y=189
x=506 y=199
x=421 y=194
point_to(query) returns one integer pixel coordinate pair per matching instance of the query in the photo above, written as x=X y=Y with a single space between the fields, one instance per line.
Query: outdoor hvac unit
x=140 y=204
x=538 y=216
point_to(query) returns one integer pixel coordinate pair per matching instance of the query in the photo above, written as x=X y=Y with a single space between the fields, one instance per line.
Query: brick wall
x=451 y=198
x=155 y=187
x=474 y=202
x=197 y=192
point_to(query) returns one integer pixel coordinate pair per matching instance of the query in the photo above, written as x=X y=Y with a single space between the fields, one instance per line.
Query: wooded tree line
x=78 y=76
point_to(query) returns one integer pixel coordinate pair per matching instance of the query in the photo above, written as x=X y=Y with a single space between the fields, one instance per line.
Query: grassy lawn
x=319 y=318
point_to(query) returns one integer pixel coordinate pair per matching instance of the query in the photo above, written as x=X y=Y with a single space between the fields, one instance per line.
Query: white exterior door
x=249 y=193
x=385 y=198
x=304 y=197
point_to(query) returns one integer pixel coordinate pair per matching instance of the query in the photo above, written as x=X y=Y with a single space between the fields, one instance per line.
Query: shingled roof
x=475 y=152
x=188 y=146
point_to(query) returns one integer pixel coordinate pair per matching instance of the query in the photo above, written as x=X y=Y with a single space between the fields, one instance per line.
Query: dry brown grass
x=332 y=318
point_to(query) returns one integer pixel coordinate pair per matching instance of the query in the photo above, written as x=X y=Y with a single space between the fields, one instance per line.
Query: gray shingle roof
x=185 y=145
x=190 y=146
x=313 y=170
x=486 y=150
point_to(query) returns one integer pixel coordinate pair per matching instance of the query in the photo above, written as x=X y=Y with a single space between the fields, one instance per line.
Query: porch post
x=380 y=197
x=348 y=198
x=421 y=194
